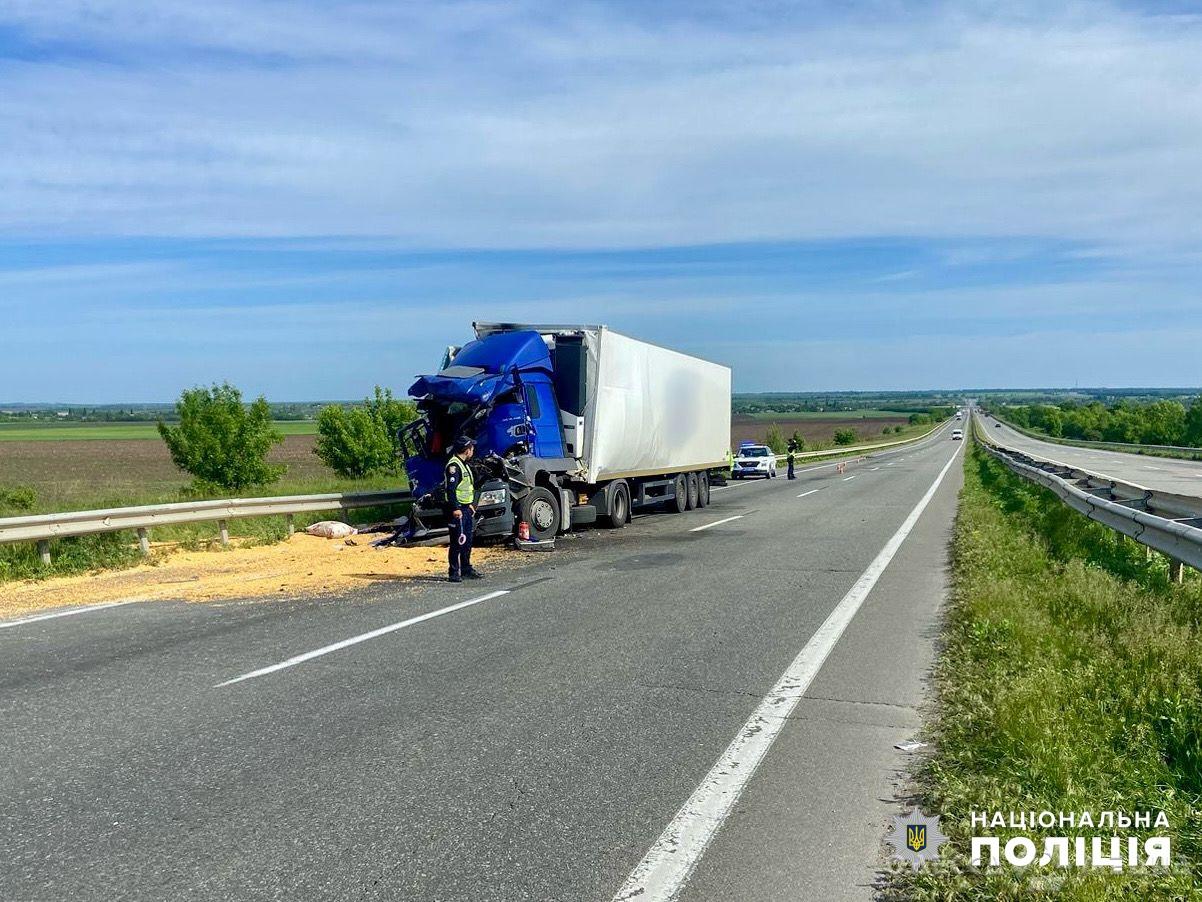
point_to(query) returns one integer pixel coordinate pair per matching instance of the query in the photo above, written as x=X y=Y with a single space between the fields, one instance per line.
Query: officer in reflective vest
x=461 y=506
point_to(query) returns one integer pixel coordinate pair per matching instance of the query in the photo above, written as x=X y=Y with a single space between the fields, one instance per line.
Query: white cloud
x=528 y=124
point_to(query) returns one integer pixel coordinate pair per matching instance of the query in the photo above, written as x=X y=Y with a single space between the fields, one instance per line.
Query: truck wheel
x=619 y=509
x=703 y=489
x=680 y=489
x=540 y=509
x=691 y=498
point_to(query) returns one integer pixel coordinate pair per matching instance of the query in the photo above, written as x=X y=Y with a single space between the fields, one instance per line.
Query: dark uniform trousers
x=459 y=553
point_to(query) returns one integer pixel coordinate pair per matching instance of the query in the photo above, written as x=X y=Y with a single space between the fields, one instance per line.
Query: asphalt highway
x=1164 y=474
x=556 y=732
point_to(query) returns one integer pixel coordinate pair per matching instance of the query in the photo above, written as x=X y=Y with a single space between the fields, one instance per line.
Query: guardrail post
x=288 y=518
x=1176 y=571
x=144 y=541
x=225 y=532
x=44 y=551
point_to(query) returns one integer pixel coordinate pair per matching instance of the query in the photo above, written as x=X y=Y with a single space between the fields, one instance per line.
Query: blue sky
x=309 y=198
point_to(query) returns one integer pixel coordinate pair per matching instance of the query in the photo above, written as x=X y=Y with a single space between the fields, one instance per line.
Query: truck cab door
x=544 y=416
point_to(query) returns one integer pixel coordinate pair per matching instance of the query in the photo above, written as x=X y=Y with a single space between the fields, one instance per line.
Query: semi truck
x=573 y=424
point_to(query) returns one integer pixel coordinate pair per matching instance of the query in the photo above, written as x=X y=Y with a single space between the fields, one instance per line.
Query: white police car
x=754 y=460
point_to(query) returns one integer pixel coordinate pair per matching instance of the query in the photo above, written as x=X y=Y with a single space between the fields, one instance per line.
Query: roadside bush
x=797 y=441
x=846 y=437
x=220 y=441
x=775 y=440
x=920 y=419
x=361 y=441
x=17 y=500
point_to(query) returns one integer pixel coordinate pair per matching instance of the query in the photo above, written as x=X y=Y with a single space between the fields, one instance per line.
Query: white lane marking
x=852 y=476
x=810 y=492
x=873 y=468
x=1153 y=468
x=662 y=873
x=88 y=609
x=716 y=523
x=891 y=463
x=355 y=640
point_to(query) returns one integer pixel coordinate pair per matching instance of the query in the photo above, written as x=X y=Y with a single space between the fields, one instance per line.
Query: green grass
x=58 y=432
x=1070 y=680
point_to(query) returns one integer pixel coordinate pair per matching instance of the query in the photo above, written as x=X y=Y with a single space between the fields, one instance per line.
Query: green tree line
x=1156 y=423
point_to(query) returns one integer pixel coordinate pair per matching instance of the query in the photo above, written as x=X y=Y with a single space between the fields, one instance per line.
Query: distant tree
x=846 y=437
x=775 y=440
x=222 y=442
x=1192 y=433
x=361 y=441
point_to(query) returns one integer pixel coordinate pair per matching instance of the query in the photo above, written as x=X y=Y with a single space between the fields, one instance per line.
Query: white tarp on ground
x=652 y=410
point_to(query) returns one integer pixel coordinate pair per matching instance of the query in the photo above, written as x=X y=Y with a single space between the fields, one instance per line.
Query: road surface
x=449 y=742
x=1163 y=474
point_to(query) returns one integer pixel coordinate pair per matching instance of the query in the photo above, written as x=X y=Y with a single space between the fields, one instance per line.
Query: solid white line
x=355 y=640
x=662 y=873
x=852 y=476
x=716 y=523
x=810 y=492
x=88 y=609
x=874 y=468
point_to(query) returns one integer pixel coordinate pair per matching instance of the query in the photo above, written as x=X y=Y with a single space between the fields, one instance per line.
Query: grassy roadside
x=1070 y=680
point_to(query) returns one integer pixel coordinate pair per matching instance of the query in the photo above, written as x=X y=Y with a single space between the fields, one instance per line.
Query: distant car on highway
x=957 y=435
x=754 y=460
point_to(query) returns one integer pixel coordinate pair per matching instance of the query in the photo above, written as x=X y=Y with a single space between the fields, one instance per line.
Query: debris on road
x=302 y=565
x=331 y=529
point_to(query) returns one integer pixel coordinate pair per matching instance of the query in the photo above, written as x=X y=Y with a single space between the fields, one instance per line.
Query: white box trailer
x=631 y=408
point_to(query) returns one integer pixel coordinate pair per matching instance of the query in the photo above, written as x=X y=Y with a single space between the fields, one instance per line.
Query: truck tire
x=703 y=489
x=619 y=508
x=540 y=509
x=680 y=491
x=691 y=499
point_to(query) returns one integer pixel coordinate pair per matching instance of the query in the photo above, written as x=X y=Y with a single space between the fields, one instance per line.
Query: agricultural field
x=120 y=471
x=819 y=429
x=57 y=432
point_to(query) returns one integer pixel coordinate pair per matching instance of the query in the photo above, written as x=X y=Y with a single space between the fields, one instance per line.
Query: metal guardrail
x=41 y=528
x=1167 y=522
x=853 y=449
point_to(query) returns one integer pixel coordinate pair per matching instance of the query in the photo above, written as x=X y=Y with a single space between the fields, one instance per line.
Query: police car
x=754 y=460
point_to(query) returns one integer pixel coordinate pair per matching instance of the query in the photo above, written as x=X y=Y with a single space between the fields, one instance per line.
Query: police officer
x=461 y=506
x=792 y=460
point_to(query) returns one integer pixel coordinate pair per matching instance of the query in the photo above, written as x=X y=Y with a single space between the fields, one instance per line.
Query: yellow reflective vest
x=465 y=490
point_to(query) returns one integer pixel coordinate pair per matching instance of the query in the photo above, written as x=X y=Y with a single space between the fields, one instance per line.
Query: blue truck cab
x=500 y=391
